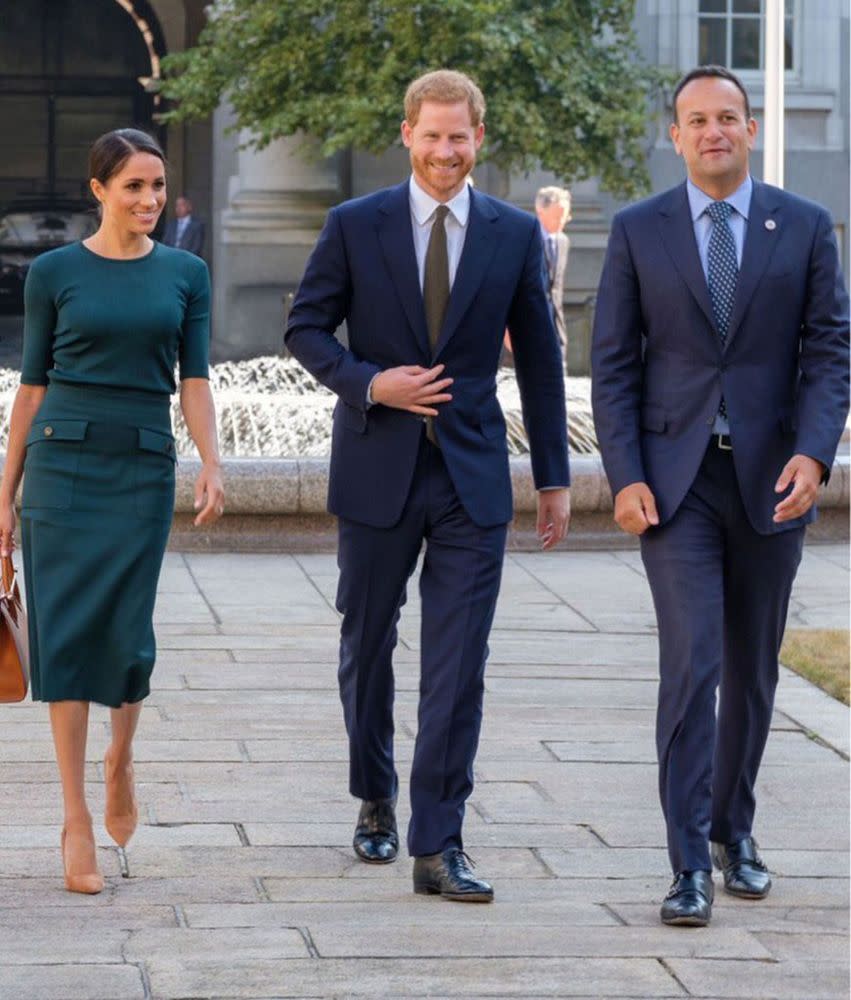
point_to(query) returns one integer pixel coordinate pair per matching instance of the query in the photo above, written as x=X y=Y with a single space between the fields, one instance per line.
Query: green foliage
x=562 y=79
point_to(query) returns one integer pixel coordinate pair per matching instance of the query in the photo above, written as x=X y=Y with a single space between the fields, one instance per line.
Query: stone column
x=276 y=204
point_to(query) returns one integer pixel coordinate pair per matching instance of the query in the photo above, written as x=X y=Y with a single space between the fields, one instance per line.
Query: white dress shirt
x=182 y=226
x=699 y=201
x=422 y=219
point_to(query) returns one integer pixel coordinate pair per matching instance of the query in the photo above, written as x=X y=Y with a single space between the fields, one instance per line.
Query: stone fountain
x=269 y=407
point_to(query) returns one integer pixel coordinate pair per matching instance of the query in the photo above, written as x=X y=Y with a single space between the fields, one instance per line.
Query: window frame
x=752 y=74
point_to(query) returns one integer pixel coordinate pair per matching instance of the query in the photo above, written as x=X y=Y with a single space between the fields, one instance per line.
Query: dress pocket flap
x=162 y=444
x=57 y=430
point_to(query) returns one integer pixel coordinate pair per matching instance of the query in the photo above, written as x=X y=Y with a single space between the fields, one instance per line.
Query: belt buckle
x=724 y=442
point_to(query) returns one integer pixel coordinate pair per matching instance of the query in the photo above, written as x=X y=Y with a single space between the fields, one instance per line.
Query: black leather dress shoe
x=689 y=900
x=448 y=874
x=376 y=839
x=745 y=873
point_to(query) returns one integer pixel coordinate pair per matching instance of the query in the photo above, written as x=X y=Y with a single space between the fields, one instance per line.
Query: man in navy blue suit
x=720 y=390
x=427 y=276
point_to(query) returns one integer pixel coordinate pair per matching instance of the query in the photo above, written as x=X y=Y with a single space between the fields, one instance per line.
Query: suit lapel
x=397 y=244
x=479 y=246
x=760 y=241
x=677 y=231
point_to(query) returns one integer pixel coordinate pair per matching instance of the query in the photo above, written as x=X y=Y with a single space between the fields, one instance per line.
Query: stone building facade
x=264 y=210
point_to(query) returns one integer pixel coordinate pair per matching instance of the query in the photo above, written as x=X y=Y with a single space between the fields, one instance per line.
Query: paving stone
x=72 y=982
x=798 y=980
x=255 y=944
x=399 y=912
x=554 y=940
x=412 y=978
x=785 y=920
x=236 y=886
x=795 y=946
x=43 y=917
x=61 y=943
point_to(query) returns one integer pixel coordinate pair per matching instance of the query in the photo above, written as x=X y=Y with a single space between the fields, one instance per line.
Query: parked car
x=28 y=228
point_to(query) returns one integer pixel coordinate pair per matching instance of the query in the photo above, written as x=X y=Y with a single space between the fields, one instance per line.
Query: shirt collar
x=740 y=199
x=423 y=205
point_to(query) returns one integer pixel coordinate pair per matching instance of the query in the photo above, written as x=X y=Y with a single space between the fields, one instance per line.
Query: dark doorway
x=69 y=71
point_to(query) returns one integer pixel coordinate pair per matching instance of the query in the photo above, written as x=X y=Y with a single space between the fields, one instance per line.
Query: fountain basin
x=278 y=505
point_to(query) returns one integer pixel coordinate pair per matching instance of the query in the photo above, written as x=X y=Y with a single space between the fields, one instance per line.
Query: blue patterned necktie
x=722 y=271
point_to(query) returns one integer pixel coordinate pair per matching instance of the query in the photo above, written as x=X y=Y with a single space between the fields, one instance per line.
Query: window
x=731 y=33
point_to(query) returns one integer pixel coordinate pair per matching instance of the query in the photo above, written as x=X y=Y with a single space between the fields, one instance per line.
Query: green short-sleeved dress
x=104 y=336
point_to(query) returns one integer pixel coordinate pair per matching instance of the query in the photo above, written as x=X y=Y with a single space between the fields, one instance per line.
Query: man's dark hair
x=718 y=71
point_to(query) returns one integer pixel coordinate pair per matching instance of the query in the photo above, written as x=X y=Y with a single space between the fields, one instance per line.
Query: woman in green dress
x=106 y=322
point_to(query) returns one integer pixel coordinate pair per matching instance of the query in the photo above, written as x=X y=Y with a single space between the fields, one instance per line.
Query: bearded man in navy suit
x=427 y=276
x=720 y=390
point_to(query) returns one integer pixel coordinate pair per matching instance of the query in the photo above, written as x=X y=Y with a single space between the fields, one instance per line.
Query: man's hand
x=553 y=516
x=412 y=388
x=804 y=474
x=635 y=508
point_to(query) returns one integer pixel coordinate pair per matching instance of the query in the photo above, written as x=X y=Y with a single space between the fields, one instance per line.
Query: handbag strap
x=7 y=570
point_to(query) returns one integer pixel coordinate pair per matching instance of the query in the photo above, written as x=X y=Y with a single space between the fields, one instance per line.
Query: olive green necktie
x=436 y=280
x=436 y=288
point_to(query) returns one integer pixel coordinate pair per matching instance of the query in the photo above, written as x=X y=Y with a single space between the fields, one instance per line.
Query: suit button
x=710 y=421
x=48 y=431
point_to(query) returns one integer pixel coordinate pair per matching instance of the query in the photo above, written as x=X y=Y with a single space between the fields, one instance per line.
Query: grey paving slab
x=241 y=880
x=72 y=982
x=253 y=944
x=400 y=913
x=412 y=977
x=533 y=940
x=792 y=946
x=792 y=980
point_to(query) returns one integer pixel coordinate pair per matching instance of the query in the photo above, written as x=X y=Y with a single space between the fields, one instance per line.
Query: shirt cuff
x=369 y=400
x=549 y=489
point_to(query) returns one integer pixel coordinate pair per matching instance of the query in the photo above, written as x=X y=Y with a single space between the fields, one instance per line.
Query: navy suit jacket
x=363 y=270
x=659 y=369
x=193 y=238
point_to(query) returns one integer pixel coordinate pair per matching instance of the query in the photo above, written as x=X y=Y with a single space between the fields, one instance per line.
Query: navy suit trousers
x=459 y=585
x=721 y=592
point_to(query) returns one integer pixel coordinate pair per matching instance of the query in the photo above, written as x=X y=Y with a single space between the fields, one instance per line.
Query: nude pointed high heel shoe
x=120 y=825
x=79 y=859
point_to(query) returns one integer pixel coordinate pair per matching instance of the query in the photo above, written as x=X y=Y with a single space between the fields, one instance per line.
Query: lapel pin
x=770 y=224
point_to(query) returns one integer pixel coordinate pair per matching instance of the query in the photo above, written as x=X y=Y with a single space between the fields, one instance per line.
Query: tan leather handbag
x=14 y=644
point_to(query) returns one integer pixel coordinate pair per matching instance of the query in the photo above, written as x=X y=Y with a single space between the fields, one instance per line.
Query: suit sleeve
x=823 y=388
x=320 y=306
x=539 y=370
x=616 y=364
x=198 y=239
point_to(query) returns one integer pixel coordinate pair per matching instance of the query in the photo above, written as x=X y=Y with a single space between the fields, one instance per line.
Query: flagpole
x=773 y=155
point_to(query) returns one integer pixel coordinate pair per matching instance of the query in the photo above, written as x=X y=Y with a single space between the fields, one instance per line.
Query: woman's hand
x=7 y=529
x=209 y=494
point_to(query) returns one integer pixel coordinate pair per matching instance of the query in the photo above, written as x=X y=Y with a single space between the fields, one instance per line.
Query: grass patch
x=822 y=656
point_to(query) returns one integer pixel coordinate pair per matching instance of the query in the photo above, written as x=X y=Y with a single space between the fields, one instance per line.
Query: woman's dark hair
x=111 y=151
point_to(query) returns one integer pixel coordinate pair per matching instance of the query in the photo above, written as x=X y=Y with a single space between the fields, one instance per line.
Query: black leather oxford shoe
x=689 y=900
x=745 y=873
x=376 y=839
x=448 y=874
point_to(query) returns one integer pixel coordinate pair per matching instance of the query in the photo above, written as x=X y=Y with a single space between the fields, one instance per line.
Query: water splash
x=270 y=407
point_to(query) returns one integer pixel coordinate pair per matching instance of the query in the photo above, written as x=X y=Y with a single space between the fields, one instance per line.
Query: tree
x=564 y=85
